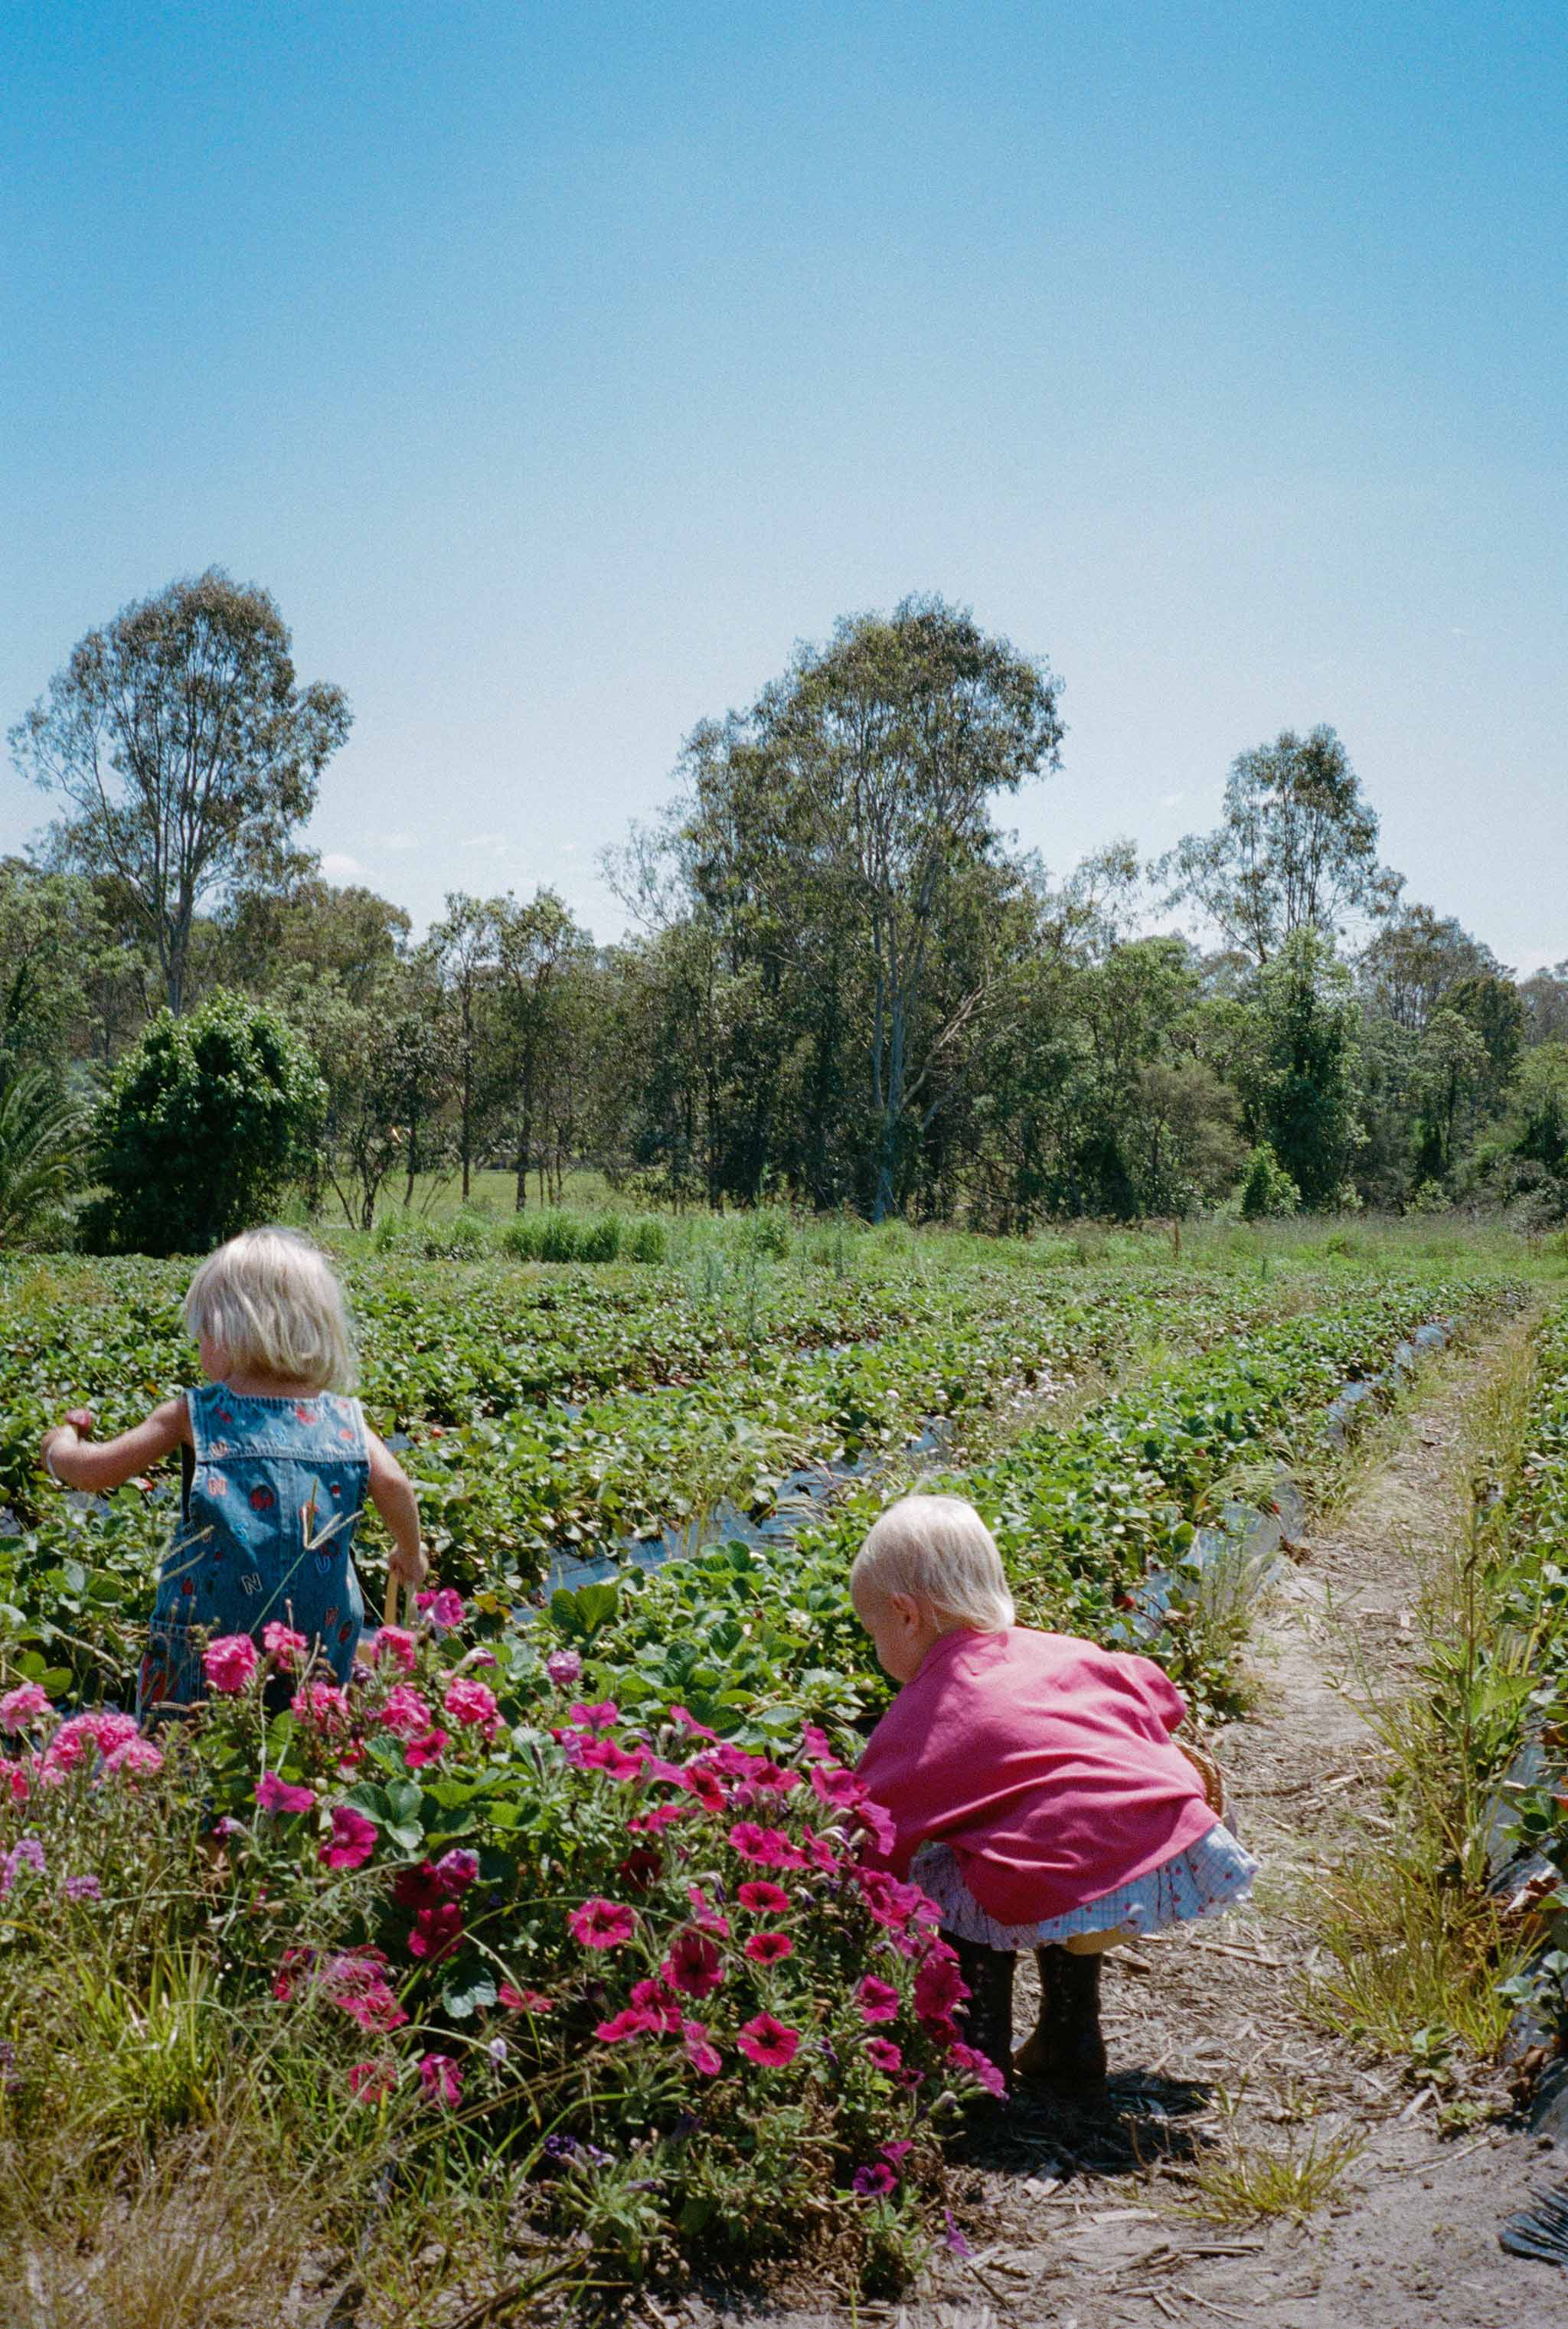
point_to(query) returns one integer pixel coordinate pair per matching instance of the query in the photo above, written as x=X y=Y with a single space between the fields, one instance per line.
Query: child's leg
x=1067 y=2054
x=986 y=2019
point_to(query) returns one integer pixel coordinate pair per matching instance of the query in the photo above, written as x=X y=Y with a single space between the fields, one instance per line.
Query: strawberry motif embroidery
x=262 y=1500
x=302 y=1413
x=344 y=1630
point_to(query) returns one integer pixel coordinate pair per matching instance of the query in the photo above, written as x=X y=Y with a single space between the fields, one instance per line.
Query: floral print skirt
x=1205 y=1879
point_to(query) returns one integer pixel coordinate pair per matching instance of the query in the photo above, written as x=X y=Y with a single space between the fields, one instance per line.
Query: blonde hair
x=269 y=1299
x=937 y=1548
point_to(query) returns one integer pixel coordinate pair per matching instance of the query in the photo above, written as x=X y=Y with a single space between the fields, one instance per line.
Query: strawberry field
x=546 y=1951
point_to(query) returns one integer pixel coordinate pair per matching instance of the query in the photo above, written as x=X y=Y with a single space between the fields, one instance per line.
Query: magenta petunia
x=437 y=1931
x=229 y=1663
x=873 y=2182
x=770 y=1948
x=631 y=2022
x=878 y=2000
x=981 y=2067
x=601 y=1924
x=771 y=2044
x=885 y=2055
x=763 y=1899
x=353 y=1838
x=939 y=1988
x=694 y=1965
x=700 y=2052
x=688 y=1721
x=275 y=1795
x=835 y=1785
x=441 y=2080
x=457 y=1868
x=705 y=1785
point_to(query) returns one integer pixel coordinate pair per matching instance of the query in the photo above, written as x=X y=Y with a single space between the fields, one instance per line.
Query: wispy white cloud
x=1171 y=800
x=338 y=867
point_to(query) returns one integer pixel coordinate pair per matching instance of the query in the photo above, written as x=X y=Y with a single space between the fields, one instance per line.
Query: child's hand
x=82 y=1421
x=410 y=1569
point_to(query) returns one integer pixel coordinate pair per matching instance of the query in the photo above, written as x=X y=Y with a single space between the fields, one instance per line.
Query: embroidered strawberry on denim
x=262 y=1500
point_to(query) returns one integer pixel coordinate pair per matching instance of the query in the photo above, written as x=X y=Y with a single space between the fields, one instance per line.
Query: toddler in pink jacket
x=1034 y=1787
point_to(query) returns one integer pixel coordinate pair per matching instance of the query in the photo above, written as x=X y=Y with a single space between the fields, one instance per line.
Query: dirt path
x=1210 y=2054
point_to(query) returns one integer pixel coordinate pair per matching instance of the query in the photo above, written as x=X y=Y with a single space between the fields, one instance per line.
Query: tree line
x=842 y=983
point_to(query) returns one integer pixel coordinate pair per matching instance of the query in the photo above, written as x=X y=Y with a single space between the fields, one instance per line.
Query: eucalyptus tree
x=185 y=754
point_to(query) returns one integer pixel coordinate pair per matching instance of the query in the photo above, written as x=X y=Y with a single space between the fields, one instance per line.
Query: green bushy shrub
x=1268 y=1192
x=208 y=1121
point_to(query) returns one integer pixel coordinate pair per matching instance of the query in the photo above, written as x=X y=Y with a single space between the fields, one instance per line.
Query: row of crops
x=550 y=1414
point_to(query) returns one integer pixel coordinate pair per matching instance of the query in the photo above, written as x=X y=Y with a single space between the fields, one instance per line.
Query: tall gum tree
x=185 y=754
x=857 y=793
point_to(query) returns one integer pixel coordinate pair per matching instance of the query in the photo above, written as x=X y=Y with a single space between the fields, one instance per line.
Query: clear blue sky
x=558 y=366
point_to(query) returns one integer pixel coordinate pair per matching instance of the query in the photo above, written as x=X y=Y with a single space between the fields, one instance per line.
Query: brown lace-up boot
x=1064 y=2060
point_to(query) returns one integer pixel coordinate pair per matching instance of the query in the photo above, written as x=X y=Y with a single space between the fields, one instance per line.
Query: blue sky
x=557 y=367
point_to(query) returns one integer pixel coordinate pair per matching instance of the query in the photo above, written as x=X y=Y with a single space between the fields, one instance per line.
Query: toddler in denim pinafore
x=278 y=1462
x=273 y=1490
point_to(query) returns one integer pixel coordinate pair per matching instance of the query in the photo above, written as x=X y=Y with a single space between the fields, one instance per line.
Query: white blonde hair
x=269 y=1299
x=937 y=1548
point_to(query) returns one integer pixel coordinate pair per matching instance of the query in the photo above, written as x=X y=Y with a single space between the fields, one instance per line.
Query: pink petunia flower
x=885 y=2055
x=705 y=1785
x=656 y=1997
x=275 y=1795
x=632 y=2021
x=769 y=2042
x=770 y=1948
x=601 y=1924
x=23 y=1705
x=763 y=1899
x=441 y=2079
x=229 y=1663
x=815 y=1744
x=393 y=1642
x=694 y=1965
x=700 y=2052
x=437 y=1931
x=523 y=2001
x=873 y=2182
x=603 y=1716
x=688 y=1721
x=981 y=2067
x=938 y=1989
x=457 y=1868
x=832 y=1784
x=282 y=1642
x=878 y=2000
x=353 y=1838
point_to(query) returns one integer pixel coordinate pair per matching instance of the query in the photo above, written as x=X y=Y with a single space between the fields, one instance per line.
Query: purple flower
x=27 y=1853
x=954 y=2239
x=84 y=1887
x=564 y=1668
x=873 y=2182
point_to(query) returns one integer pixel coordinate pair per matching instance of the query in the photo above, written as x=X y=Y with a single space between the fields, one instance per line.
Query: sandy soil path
x=1209 y=2046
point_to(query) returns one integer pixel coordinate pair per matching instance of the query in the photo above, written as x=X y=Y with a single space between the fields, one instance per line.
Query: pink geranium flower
x=878 y=2000
x=15 y=1782
x=282 y=1642
x=602 y=1924
x=440 y=2076
x=700 y=2052
x=353 y=1838
x=134 y=1759
x=563 y=1667
x=229 y=1663
x=770 y=1948
x=457 y=1868
x=468 y=1701
x=113 y=1730
x=770 y=2043
x=428 y=1750
x=23 y=1705
x=393 y=1642
x=275 y=1795
x=404 y=1712
x=323 y=1704
x=693 y=1965
x=371 y=2081
x=763 y=1899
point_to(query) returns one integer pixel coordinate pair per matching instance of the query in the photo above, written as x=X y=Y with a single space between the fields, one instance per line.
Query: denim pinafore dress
x=273 y=1490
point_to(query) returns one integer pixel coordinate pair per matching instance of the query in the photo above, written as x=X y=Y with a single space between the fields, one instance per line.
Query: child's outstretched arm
x=69 y=1457
x=391 y=1493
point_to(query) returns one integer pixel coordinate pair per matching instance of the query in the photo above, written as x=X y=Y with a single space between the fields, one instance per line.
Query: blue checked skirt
x=1205 y=1879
